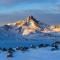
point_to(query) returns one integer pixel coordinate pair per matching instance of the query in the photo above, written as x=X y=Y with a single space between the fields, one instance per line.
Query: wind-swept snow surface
x=33 y=54
x=12 y=38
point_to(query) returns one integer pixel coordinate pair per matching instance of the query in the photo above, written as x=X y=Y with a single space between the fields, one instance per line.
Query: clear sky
x=9 y=7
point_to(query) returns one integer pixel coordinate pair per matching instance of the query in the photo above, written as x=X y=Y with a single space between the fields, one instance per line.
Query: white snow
x=33 y=54
x=13 y=39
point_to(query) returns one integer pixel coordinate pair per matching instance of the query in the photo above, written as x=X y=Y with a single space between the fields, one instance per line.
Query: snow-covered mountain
x=31 y=25
x=26 y=32
x=27 y=26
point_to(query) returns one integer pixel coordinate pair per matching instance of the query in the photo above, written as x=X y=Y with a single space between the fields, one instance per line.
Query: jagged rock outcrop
x=28 y=25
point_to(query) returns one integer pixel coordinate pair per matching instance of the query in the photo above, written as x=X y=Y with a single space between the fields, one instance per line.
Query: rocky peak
x=32 y=18
x=29 y=25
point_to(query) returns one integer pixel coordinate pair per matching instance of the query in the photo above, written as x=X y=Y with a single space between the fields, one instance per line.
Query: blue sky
x=10 y=7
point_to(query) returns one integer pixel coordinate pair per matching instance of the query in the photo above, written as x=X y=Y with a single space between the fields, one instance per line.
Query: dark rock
x=53 y=49
x=10 y=55
x=43 y=45
x=18 y=48
x=33 y=46
x=55 y=45
x=1 y=49
x=57 y=42
x=10 y=50
x=4 y=49
x=24 y=48
x=7 y=27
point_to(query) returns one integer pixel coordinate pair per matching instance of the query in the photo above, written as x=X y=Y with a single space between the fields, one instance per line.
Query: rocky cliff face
x=28 y=25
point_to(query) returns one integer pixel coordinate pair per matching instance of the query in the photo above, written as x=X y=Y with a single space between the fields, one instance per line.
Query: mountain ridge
x=31 y=25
